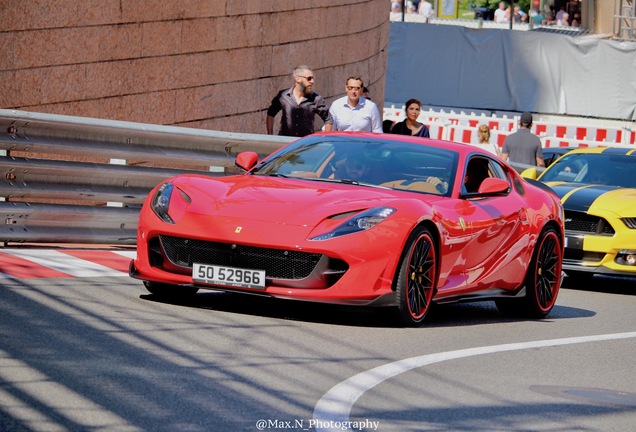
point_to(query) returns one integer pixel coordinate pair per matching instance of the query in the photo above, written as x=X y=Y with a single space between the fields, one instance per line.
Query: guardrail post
x=3 y=153
x=116 y=162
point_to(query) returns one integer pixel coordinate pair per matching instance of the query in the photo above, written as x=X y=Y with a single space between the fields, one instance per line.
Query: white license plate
x=228 y=276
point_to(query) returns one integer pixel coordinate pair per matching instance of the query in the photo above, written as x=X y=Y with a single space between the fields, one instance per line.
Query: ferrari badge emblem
x=462 y=222
x=238 y=230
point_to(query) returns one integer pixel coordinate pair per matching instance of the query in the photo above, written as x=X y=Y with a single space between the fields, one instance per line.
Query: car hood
x=585 y=198
x=292 y=201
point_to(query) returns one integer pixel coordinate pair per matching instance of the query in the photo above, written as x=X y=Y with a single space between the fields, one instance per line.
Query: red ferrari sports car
x=359 y=219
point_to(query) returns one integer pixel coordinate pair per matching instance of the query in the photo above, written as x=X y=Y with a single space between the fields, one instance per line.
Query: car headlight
x=360 y=222
x=160 y=202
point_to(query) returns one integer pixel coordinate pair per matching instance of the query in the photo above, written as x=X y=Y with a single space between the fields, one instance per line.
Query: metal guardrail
x=63 y=165
x=104 y=168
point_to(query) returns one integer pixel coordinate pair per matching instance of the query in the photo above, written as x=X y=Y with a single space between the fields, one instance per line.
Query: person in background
x=537 y=17
x=410 y=125
x=299 y=105
x=416 y=5
x=508 y=14
x=500 y=13
x=559 y=14
x=565 y=20
x=523 y=146
x=550 y=17
x=354 y=112
x=425 y=9
x=516 y=14
x=483 y=135
x=576 y=21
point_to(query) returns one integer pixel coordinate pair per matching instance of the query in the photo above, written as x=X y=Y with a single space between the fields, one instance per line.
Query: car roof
x=606 y=150
x=560 y=150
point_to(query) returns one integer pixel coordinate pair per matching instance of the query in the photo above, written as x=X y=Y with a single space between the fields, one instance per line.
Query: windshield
x=594 y=168
x=389 y=164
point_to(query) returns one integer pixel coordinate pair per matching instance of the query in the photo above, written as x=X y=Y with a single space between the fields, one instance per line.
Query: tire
x=168 y=291
x=416 y=279
x=542 y=281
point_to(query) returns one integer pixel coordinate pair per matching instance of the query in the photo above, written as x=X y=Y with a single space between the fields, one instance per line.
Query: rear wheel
x=417 y=277
x=543 y=279
x=169 y=291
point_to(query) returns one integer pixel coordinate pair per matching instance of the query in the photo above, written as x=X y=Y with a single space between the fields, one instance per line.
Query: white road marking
x=335 y=406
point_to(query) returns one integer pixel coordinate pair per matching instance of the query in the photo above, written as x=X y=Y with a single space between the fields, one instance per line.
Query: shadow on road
x=604 y=284
x=446 y=315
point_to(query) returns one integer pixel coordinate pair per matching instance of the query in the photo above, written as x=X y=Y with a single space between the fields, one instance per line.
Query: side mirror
x=493 y=186
x=246 y=160
x=530 y=173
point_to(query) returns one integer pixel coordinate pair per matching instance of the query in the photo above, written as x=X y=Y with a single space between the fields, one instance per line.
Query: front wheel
x=416 y=279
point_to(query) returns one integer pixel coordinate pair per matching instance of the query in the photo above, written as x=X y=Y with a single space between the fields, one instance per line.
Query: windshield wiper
x=271 y=175
x=347 y=181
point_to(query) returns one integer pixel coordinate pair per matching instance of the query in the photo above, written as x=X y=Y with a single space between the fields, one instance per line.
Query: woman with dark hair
x=410 y=125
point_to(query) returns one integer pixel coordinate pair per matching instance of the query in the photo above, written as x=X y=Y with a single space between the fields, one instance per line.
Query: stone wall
x=211 y=64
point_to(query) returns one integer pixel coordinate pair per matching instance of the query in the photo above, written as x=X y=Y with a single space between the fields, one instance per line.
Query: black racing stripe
x=565 y=188
x=581 y=200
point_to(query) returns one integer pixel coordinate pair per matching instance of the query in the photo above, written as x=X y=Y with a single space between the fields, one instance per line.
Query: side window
x=477 y=170
x=480 y=168
x=496 y=170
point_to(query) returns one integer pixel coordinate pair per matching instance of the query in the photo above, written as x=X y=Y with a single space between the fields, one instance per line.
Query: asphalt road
x=100 y=354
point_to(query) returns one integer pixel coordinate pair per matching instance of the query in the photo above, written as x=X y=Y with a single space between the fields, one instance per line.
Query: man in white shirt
x=564 y=21
x=500 y=14
x=426 y=9
x=353 y=112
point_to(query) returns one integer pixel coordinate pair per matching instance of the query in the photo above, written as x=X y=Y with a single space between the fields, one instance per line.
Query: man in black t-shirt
x=299 y=106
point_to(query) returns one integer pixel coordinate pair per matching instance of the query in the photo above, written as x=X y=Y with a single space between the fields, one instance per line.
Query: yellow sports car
x=597 y=187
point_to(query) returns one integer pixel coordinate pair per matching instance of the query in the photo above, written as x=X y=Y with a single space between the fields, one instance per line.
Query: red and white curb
x=72 y=263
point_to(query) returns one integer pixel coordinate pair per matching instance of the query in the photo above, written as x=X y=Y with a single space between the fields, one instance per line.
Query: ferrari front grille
x=583 y=223
x=279 y=264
